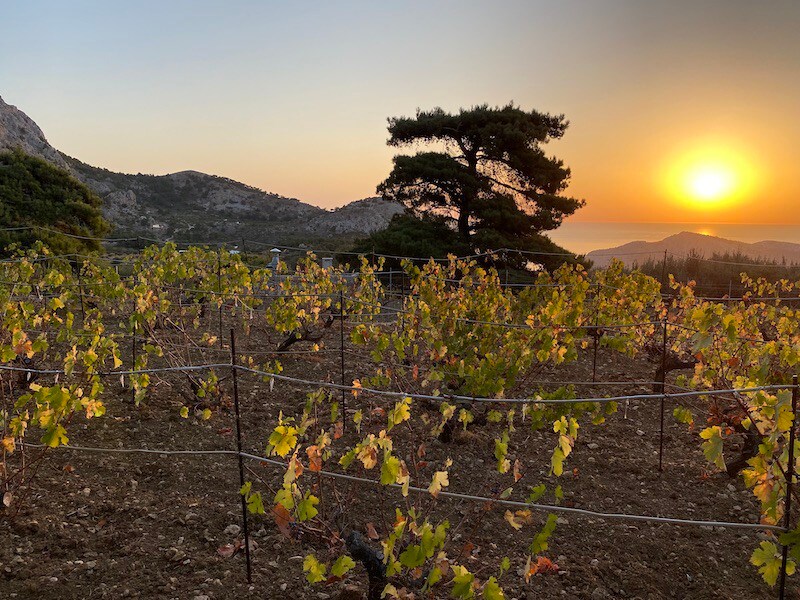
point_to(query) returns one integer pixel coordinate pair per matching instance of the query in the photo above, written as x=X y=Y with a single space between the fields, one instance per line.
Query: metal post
x=234 y=371
x=663 y=396
x=133 y=366
x=80 y=291
x=341 y=355
x=596 y=337
x=219 y=292
x=402 y=299
x=787 y=509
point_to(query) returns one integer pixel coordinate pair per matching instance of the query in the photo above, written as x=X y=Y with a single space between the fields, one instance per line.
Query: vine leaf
x=314 y=570
x=282 y=519
x=492 y=591
x=768 y=559
x=438 y=482
x=712 y=447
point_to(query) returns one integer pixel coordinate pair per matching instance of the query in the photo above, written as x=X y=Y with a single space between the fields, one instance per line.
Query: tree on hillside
x=489 y=175
x=431 y=236
x=36 y=194
x=407 y=235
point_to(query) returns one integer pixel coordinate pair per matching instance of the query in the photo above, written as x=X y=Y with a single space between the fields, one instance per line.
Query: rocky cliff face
x=196 y=207
x=18 y=130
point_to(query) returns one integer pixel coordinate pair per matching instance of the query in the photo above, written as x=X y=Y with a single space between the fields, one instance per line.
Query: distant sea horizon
x=583 y=237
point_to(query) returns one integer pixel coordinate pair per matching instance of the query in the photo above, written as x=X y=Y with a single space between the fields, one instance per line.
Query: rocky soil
x=103 y=525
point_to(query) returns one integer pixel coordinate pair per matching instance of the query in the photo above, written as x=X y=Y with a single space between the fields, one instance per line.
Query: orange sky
x=293 y=98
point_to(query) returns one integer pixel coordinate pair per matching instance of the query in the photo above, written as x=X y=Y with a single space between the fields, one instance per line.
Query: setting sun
x=711 y=176
x=710 y=183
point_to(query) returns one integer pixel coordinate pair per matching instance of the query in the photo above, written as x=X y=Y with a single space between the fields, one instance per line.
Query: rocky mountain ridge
x=196 y=207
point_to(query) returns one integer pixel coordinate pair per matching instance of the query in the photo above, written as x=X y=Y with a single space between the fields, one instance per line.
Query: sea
x=583 y=237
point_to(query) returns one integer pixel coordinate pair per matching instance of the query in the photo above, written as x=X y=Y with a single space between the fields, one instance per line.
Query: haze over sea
x=583 y=237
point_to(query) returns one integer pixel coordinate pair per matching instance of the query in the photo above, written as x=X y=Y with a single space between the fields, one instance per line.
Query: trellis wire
x=446 y=494
x=393 y=394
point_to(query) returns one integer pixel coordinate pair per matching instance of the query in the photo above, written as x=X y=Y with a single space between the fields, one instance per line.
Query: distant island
x=687 y=243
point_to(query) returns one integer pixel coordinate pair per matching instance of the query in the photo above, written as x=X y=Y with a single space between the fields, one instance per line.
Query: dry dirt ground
x=99 y=525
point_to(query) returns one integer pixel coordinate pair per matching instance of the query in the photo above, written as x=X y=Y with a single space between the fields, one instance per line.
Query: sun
x=710 y=176
x=710 y=183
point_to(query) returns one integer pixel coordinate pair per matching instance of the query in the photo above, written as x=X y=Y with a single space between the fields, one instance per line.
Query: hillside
x=684 y=243
x=194 y=206
x=18 y=130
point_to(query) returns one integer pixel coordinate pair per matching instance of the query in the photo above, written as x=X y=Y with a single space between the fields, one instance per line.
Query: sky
x=665 y=99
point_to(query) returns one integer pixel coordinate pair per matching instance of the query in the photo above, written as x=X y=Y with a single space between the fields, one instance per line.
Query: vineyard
x=186 y=424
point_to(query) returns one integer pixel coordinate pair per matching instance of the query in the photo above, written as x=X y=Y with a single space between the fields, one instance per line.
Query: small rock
x=351 y=592
x=592 y=446
x=232 y=530
x=175 y=555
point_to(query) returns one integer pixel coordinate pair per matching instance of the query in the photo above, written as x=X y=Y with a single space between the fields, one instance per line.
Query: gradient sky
x=293 y=97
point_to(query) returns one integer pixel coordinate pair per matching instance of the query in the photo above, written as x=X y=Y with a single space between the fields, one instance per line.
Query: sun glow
x=710 y=177
x=710 y=183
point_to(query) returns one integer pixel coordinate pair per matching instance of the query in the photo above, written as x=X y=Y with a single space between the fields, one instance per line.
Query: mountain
x=197 y=207
x=18 y=130
x=685 y=243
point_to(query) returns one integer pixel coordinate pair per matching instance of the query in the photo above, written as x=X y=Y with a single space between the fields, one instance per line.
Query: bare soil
x=100 y=525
